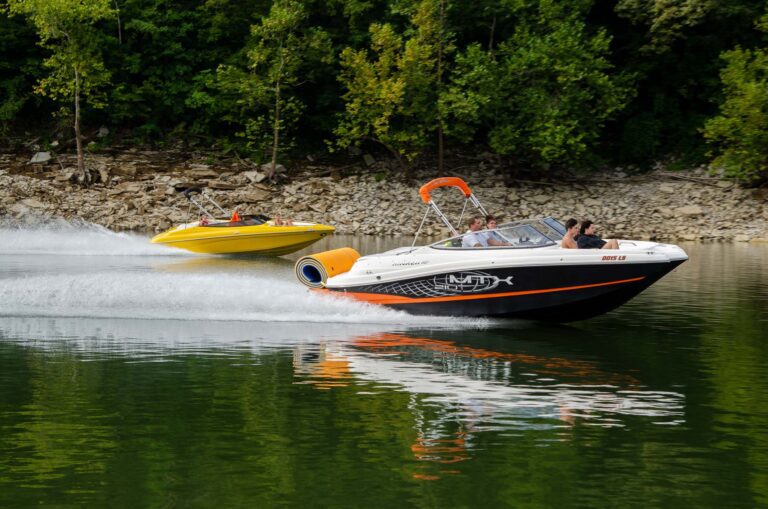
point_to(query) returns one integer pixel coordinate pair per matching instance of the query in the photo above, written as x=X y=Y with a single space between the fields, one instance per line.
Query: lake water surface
x=135 y=376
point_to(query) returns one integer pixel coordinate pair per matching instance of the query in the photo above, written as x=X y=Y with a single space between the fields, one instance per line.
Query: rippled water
x=133 y=375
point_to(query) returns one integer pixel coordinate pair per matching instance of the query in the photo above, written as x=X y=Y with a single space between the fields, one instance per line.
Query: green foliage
x=740 y=132
x=555 y=90
x=666 y=21
x=259 y=96
x=76 y=70
x=392 y=97
x=19 y=67
x=472 y=85
x=66 y=28
x=544 y=83
x=375 y=90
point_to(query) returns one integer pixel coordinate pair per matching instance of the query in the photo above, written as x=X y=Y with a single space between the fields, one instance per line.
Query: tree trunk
x=119 y=26
x=78 y=140
x=441 y=42
x=490 y=37
x=276 y=140
x=440 y=148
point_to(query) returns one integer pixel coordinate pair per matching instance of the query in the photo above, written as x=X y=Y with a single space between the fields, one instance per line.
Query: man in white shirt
x=473 y=238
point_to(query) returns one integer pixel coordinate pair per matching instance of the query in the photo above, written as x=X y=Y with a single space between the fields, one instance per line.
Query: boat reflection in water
x=458 y=390
x=450 y=393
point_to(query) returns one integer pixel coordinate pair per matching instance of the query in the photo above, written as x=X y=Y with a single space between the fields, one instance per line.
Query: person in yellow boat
x=282 y=222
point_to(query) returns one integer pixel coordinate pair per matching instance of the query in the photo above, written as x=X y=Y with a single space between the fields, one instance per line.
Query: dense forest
x=541 y=84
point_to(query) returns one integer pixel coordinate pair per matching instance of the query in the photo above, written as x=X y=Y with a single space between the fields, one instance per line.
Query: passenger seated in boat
x=571 y=232
x=587 y=238
x=203 y=220
x=493 y=238
x=282 y=222
x=474 y=238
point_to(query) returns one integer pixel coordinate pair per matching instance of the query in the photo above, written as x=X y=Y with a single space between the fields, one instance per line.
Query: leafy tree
x=469 y=92
x=555 y=89
x=265 y=91
x=672 y=48
x=68 y=29
x=375 y=92
x=19 y=68
x=667 y=20
x=392 y=99
x=740 y=132
x=427 y=55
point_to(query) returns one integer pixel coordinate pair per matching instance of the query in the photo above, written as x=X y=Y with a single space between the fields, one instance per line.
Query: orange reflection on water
x=392 y=344
x=324 y=370
x=442 y=451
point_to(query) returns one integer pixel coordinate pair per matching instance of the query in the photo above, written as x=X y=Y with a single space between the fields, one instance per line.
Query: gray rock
x=104 y=174
x=41 y=158
x=202 y=173
x=224 y=186
x=690 y=210
x=254 y=176
x=33 y=203
x=266 y=168
x=255 y=195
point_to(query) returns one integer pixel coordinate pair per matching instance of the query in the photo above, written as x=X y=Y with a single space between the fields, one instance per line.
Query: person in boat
x=571 y=232
x=493 y=238
x=588 y=238
x=282 y=222
x=203 y=220
x=473 y=237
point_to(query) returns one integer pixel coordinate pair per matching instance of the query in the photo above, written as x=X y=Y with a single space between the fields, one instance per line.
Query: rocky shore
x=139 y=191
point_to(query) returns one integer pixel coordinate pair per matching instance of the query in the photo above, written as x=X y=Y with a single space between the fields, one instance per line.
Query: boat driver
x=473 y=238
x=492 y=238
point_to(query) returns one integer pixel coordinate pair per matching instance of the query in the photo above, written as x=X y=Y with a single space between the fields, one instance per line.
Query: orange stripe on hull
x=383 y=299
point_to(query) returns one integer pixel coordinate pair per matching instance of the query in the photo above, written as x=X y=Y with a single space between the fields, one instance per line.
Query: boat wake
x=192 y=296
x=75 y=238
x=81 y=270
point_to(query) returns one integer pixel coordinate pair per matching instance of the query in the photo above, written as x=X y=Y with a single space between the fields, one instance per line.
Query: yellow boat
x=243 y=237
x=257 y=234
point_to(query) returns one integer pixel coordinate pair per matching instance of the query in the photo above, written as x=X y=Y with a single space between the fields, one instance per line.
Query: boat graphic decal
x=370 y=294
x=443 y=285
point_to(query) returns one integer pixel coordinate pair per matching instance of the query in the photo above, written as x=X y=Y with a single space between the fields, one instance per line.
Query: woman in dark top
x=587 y=238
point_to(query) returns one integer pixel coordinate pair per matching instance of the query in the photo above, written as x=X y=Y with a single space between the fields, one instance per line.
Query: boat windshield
x=547 y=226
x=505 y=237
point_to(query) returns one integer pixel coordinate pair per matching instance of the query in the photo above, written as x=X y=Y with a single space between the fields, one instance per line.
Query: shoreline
x=137 y=191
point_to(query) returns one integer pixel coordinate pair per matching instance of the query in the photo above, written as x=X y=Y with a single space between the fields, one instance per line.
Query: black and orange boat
x=530 y=276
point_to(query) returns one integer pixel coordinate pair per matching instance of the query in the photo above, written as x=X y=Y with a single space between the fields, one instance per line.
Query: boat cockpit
x=523 y=234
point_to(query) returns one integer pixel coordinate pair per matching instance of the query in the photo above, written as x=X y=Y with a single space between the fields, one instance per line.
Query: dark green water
x=130 y=378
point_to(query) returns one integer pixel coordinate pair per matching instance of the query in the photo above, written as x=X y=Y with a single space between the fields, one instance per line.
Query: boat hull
x=549 y=293
x=262 y=240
